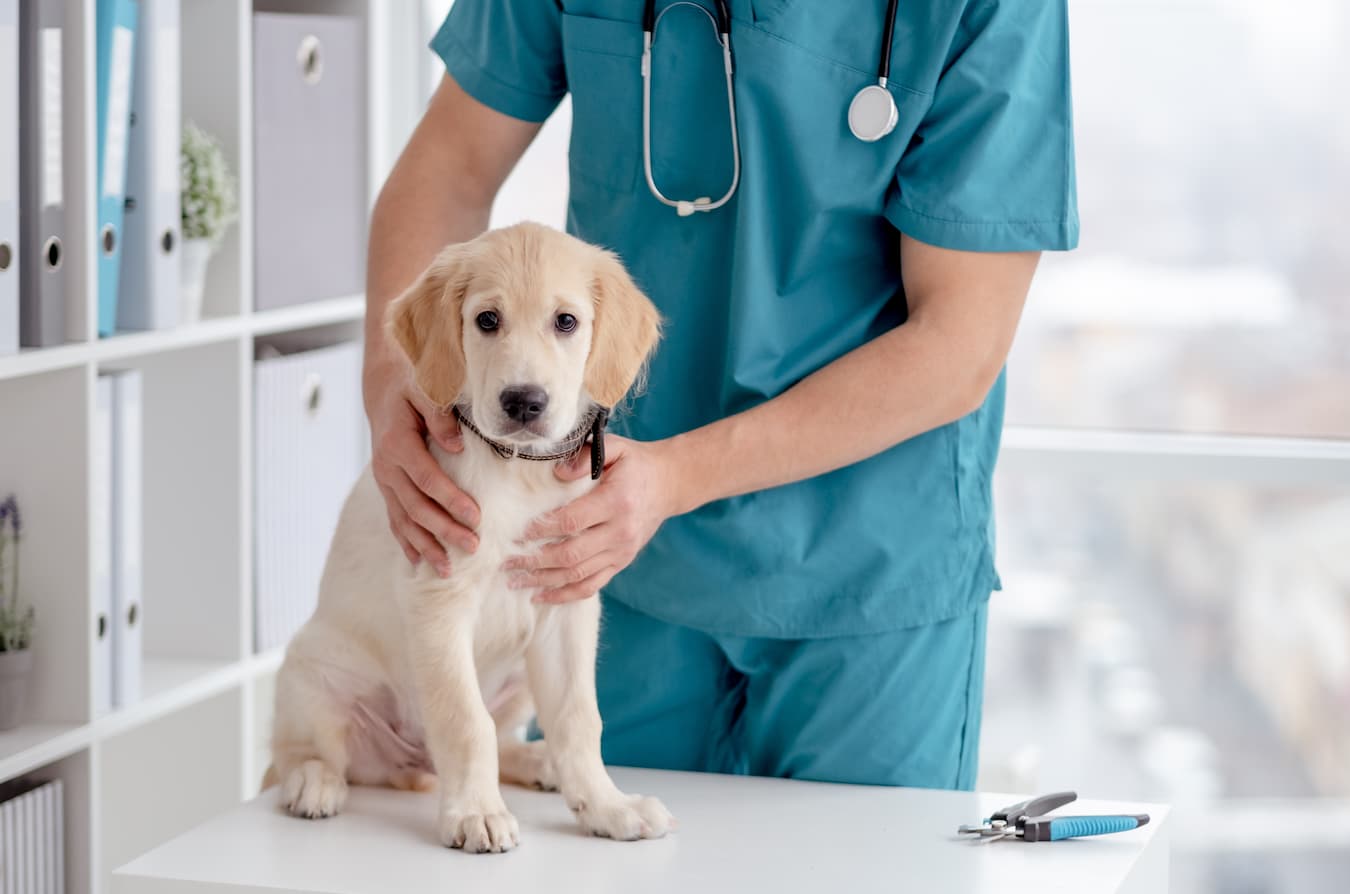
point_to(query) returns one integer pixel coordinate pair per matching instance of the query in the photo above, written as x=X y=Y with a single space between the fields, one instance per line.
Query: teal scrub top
x=801 y=266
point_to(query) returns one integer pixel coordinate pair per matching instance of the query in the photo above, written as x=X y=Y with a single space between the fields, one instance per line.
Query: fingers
x=432 y=517
x=577 y=516
x=579 y=466
x=430 y=479
x=396 y=526
x=441 y=425
x=413 y=539
x=426 y=510
x=564 y=553
x=581 y=590
x=567 y=562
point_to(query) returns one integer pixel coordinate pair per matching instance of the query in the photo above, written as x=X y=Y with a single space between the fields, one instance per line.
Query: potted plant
x=209 y=206
x=16 y=623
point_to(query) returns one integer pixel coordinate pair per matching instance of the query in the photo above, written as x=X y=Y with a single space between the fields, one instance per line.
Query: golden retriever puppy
x=403 y=678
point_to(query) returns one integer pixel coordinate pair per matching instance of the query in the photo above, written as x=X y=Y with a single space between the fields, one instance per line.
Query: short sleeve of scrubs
x=991 y=166
x=506 y=55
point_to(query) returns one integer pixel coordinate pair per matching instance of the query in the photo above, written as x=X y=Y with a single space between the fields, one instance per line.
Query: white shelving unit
x=195 y=742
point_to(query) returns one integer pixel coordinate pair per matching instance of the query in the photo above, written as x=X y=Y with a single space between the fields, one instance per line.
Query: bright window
x=1211 y=291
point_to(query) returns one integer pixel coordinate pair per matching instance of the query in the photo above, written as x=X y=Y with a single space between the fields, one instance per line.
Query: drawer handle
x=312 y=392
x=310 y=58
x=6 y=256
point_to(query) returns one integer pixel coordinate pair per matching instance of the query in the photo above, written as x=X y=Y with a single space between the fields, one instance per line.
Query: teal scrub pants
x=897 y=708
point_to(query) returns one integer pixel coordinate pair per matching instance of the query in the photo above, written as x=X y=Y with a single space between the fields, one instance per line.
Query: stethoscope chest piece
x=872 y=114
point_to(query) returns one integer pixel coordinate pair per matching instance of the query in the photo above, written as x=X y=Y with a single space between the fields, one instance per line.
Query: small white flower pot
x=196 y=255
x=14 y=671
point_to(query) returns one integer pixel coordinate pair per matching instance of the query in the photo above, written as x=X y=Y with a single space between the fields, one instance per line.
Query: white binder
x=126 y=494
x=148 y=296
x=42 y=224
x=10 y=250
x=101 y=490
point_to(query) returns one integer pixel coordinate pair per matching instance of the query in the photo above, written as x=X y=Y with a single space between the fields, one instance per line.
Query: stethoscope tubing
x=722 y=27
x=862 y=121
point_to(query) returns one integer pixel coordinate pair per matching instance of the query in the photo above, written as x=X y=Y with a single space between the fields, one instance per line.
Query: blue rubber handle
x=1062 y=827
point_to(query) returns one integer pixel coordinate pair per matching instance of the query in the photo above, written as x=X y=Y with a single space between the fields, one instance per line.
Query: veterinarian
x=794 y=533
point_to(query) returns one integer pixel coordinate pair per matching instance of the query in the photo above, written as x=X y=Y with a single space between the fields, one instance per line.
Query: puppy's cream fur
x=402 y=678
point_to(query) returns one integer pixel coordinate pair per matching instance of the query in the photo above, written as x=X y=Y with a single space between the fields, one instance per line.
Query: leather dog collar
x=592 y=426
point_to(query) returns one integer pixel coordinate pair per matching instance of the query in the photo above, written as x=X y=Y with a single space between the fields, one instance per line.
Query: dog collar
x=592 y=427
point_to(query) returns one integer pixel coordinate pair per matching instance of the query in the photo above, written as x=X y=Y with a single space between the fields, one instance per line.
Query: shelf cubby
x=44 y=462
x=193 y=524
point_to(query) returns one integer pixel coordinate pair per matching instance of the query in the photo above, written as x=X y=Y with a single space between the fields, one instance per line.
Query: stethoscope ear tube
x=721 y=24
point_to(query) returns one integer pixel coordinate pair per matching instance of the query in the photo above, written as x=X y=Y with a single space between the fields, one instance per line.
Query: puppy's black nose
x=524 y=403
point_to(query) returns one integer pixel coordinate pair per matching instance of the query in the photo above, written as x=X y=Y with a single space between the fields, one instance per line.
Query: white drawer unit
x=309 y=446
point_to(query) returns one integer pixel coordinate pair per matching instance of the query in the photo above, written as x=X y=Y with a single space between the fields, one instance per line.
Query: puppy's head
x=525 y=327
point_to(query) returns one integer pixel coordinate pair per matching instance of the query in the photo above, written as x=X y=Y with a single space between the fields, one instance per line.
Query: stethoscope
x=871 y=115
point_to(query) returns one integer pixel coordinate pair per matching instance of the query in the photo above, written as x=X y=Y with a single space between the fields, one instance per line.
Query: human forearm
x=933 y=369
x=897 y=386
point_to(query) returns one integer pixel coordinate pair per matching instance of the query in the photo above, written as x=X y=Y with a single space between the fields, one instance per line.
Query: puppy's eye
x=565 y=322
x=487 y=321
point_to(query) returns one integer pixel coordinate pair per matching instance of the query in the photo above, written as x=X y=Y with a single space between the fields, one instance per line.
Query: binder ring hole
x=167 y=241
x=310 y=57
x=102 y=626
x=313 y=392
x=133 y=612
x=6 y=256
x=51 y=253
x=107 y=237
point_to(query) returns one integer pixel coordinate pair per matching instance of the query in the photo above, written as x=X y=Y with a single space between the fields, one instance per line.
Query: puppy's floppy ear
x=426 y=322
x=626 y=330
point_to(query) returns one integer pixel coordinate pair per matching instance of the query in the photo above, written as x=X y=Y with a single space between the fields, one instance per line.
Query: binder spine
x=148 y=294
x=11 y=252
x=102 y=489
x=117 y=21
x=127 y=580
x=42 y=225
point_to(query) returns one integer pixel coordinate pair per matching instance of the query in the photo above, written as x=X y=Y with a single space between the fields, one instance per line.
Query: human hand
x=602 y=531
x=426 y=509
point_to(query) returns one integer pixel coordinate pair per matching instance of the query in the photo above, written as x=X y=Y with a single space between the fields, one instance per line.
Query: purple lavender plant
x=16 y=625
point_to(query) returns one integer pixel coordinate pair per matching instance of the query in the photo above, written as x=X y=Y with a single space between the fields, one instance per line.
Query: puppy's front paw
x=480 y=833
x=313 y=790
x=628 y=819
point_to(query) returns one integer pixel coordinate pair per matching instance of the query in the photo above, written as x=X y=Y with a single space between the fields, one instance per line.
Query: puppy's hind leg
x=309 y=743
x=520 y=762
